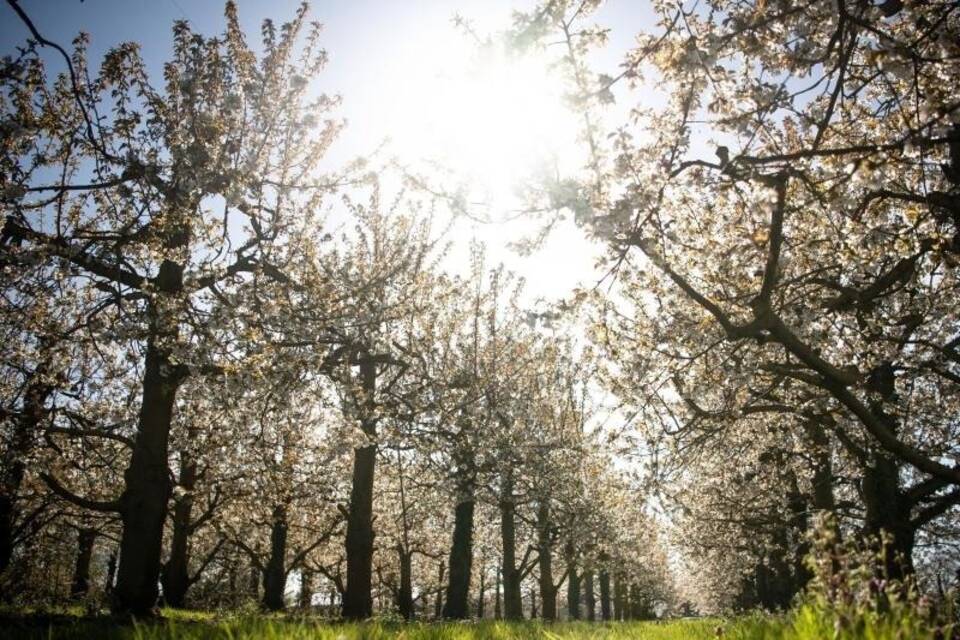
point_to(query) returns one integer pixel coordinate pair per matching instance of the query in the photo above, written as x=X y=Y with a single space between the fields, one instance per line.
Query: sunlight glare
x=491 y=117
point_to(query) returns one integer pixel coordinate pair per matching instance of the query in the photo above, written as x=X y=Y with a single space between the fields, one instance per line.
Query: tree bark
x=573 y=583
x=461 y=556
x=80 y=584
x=357 y=599
x=25 y=426
x=275 y=573
x=405 y=592
x=512 y=598
x=548 y=592
x=497 y=609
x=589 y=599
x=175 y=576
x=605 y=594
x=619 y=610
x=146 y=483
x=306 y=589
x=888 y=514
x=438 y=603
x=481 y=597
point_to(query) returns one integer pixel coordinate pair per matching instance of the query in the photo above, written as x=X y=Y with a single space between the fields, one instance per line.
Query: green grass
x=805 y=624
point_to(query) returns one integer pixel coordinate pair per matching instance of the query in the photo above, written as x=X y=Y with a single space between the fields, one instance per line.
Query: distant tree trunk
x=481 y=598
x=589 y=598
x=80 y=585
x=111 y=573
x=461 y=550
x=405 y=592
x=887 y=510
x=604 y=592
x=25 y=427
x=175 y=576
x=357 y=600
x=497 y=610
x=306 y=589
x=275 y=573
x=573 y=583
x=512 y=598
x=548 y=592
x=533 y=604
x=619 y=610
x=636 y=604
x=253 y=584
x=438 y=603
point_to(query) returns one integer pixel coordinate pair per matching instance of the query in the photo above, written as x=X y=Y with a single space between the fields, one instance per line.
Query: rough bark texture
x=80 y=584
x=461 y=556
x=512 y=598
x=357 y=599
x=275 y=573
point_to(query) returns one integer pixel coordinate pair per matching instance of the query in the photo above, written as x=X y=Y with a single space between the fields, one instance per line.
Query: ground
x=67 y=625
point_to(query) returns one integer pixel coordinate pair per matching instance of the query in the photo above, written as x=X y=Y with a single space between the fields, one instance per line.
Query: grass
x=804 y=624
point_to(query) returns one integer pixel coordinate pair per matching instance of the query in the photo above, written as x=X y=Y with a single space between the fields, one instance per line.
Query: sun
x=491 y=116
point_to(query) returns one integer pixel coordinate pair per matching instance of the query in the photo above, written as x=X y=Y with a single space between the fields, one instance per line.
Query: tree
x=132 y=211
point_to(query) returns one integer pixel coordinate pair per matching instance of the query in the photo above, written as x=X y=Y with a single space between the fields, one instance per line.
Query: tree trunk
x=275 y=573
x=357 y=599
x=481 y=598
x=533 y=604
x=589 y=598
x=146 y=483
x=175 y=576
x=619 y=611
x=604 y=593
x=438 y=603
x=111 y=573
x=461 y=556
x=548 y=592
x=512 y=598
x=306 y=589
x=405 y=592
x=888 y=512
x=80 y=585
x=573 y=583
x=25 y=426
x=497 y=609
x=253 y=584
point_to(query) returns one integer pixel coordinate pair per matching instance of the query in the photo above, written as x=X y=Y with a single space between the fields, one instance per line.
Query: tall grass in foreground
x=807 y=623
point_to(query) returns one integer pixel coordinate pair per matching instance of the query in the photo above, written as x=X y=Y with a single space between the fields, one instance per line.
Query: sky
x=396 y=64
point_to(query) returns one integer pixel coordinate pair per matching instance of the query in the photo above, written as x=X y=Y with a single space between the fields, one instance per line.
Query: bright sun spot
x=491 y=117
